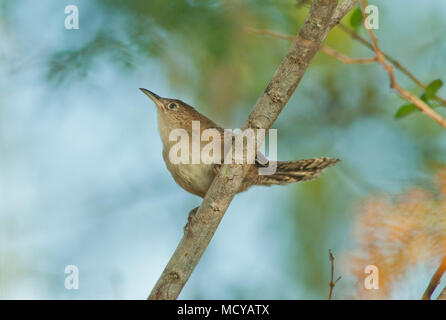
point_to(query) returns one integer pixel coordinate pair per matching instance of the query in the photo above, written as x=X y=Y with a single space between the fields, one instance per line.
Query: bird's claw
x=217 y=168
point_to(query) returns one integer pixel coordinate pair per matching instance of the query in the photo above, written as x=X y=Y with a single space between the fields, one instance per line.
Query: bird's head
x=174 y=114
x=169 y=109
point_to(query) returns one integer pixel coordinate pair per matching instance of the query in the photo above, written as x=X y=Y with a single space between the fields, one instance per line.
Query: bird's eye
x=172 y=106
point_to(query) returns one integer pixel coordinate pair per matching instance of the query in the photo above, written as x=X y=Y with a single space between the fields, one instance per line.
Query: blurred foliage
x=396 y=234
x=81 y=60
x=202 y=45
x=356 y=18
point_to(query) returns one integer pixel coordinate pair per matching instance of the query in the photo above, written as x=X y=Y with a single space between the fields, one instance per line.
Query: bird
x=197 y=178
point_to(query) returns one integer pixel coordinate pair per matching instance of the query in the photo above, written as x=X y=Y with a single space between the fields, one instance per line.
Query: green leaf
x=432 y=88
x=426 y=100
x=405 y=110
x=356 y=18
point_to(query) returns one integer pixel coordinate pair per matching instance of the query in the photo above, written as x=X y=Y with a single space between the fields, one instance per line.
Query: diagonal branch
x=229 y=178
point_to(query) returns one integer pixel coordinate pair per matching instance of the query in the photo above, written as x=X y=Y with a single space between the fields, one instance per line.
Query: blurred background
x=82 y=180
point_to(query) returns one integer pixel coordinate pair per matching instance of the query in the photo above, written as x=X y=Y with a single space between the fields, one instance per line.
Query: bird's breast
x=194 y=178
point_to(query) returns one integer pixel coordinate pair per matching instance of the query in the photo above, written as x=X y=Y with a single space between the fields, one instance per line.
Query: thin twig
x=228 y=180
x=397 y=65
x=407 y=95
x=442 y=295
x=270 y=33
x=347 y=60
x=380 y=57
x=435 y=281
x=332 y=283
x=324 y=48
x=344 y=59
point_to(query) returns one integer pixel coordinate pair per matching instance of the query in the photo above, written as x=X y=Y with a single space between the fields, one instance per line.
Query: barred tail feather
x=295 y=171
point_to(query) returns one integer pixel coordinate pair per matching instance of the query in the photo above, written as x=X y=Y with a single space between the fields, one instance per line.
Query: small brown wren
x=197 y=178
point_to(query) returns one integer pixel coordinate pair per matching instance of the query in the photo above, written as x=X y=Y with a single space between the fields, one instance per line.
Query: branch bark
x=341 y=11
x=228 y=179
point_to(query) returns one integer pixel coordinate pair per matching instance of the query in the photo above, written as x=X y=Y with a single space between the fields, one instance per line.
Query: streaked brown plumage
x=197 y=178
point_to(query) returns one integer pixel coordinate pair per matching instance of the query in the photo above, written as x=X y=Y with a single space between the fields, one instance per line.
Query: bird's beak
x=154 y=97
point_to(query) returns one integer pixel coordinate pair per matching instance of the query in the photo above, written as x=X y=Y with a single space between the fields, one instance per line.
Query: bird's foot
x=188 y=227
x=217 y=168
